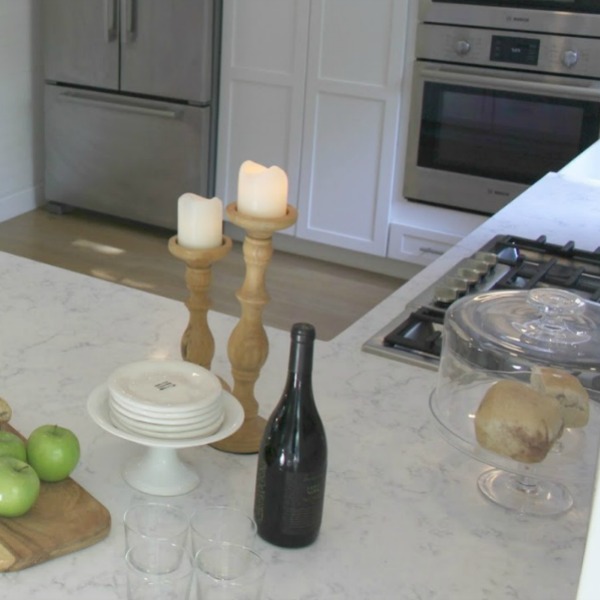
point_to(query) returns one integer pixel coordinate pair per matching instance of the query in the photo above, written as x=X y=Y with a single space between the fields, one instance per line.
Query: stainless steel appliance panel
x=81 y=44
x=479 y=139
x=166 y=48
x=493 y=109
x=123 y=78
x=505 y=262
x=126 y=157
x=565 y=17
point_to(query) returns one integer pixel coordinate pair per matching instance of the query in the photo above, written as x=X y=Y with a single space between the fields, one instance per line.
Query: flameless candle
x=199 y=221
x=262 y=192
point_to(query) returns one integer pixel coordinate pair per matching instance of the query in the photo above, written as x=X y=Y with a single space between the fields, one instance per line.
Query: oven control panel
x=515 y=50
x=518 y=51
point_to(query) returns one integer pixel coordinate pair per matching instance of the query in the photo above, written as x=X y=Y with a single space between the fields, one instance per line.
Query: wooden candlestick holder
x=197 y=342
x=248 y=345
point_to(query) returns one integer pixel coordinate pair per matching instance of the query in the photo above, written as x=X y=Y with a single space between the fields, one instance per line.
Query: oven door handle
x=516 y=85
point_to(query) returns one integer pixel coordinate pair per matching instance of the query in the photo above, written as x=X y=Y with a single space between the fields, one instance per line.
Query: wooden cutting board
x=64 y=519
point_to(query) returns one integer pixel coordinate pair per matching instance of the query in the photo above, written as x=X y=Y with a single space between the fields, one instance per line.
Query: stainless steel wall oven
x=501 y=96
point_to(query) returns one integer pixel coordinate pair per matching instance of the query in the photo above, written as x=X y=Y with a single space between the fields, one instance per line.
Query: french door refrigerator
x=130 y=104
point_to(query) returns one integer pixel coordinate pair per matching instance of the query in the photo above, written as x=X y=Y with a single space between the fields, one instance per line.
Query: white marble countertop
x=403 y=517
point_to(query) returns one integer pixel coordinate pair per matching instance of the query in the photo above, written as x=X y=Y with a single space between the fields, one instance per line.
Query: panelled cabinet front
x=314 y=87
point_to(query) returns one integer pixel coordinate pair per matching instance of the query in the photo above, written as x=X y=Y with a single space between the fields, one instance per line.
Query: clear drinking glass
x=155 y=521
x=222 y=524
x=229 y=572
x=159 y=571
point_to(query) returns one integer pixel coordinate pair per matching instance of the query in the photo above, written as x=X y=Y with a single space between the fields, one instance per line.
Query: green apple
x=19 y=487
x=12 y=445
x=53 y=452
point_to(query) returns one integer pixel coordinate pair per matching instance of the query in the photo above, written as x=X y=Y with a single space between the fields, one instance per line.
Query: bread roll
x=567 y=389
x=516 y=421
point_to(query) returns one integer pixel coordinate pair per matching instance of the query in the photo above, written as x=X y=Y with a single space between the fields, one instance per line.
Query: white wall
x=21 y=127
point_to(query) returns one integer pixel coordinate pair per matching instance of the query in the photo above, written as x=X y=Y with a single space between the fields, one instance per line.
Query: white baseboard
x=21 y=202
x=340 y=256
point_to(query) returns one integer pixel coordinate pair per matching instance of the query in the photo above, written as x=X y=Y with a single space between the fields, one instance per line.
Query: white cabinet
x=263 y=69
x=314 y=87
x=351 y=122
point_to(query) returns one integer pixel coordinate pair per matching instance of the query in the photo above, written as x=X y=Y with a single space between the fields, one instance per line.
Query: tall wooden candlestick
x=197 y=342
x=248 y=345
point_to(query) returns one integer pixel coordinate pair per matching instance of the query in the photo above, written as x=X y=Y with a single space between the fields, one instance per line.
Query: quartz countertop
x=403 y=516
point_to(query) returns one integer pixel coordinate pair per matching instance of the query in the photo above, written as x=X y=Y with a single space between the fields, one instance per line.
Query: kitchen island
x=403 y=516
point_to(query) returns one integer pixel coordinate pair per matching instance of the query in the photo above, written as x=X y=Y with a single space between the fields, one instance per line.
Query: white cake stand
x=159 y=470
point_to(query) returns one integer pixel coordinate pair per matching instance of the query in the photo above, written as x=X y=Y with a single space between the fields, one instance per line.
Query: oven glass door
x=503 y=135
x=478 y=137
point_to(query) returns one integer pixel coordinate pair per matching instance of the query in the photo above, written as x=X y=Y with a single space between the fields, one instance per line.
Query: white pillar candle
x=262 y=192
x=199 y=221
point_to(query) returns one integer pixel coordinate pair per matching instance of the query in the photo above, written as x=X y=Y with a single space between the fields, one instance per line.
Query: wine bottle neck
x=301 y=351
x=301 y=359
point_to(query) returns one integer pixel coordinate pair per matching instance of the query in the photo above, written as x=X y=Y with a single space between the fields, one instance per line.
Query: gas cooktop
x=505 y=263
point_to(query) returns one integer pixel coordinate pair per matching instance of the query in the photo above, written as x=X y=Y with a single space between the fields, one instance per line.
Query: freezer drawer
x=124 y=156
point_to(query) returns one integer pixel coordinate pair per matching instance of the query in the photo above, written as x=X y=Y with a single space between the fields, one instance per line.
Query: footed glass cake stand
x=534 y=489
x=505 y=335
x=158 y=469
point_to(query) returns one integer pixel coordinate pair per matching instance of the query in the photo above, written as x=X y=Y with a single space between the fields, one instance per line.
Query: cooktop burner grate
x=416 y=334
x=536 y=263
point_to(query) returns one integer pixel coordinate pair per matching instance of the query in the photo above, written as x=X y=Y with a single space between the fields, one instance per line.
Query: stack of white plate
x=165 y=400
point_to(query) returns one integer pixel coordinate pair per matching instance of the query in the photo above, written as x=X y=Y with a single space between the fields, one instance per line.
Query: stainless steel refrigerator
x=130 y=104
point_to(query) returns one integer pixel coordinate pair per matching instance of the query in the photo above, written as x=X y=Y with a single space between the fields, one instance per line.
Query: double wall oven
x=503 y=92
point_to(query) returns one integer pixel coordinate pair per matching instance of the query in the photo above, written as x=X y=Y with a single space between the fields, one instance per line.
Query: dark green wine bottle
x=292 y=460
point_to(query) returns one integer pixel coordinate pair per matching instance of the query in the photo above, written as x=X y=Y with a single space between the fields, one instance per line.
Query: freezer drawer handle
x=111 y=20
x=121 y=106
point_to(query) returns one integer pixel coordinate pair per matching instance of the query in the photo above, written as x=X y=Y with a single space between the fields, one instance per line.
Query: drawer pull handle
x=428 y=250
x=121 y=106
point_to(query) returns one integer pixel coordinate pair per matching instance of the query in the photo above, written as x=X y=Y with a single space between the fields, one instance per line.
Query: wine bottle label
x=302 y=502
x=259 y=497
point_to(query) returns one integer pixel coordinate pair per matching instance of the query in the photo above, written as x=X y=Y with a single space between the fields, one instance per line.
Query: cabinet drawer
x=124 y=156
x=416 y=245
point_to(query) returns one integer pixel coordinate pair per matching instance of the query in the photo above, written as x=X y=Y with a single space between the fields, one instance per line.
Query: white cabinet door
x=351 y=122
x=263 y=70
x=314 y=87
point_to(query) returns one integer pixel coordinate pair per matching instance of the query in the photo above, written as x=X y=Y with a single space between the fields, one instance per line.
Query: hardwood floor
x=330 y=296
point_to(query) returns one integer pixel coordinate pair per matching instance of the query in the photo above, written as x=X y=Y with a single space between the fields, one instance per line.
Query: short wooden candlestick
x=197 y=342
x=248 y=345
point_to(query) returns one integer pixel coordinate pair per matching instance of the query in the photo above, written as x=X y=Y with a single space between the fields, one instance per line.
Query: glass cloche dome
x=517 y=387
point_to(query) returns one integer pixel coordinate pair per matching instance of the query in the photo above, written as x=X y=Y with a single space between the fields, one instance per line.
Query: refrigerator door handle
x=123 y=106
x=110 y=14
x=130 y=19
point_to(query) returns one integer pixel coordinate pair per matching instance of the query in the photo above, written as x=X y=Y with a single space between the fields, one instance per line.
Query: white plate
x=164 y=386
x=98 y=409
x=166 y=419
x=156 y=431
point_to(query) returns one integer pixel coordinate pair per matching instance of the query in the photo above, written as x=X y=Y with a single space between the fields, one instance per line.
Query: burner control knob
x=570 y=58
x=462 y=47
